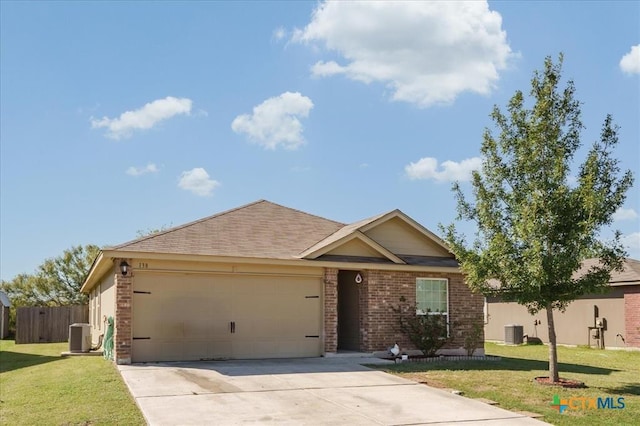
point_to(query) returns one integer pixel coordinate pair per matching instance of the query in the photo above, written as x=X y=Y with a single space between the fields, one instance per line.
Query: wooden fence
x=48 y=324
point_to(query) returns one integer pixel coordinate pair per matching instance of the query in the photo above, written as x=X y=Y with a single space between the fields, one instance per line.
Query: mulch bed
x=444 y=358
x=565 y=383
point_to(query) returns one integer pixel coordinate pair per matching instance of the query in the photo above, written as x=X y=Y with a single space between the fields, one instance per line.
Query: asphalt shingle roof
x=261 y=229
x=630 y=275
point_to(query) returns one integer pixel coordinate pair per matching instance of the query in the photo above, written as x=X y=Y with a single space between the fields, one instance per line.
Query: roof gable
x=402 y=237
x=355 y=247
x=350 y=243
x=392 y=234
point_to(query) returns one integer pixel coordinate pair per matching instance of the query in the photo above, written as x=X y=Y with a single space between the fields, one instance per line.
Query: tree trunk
x=553 y=352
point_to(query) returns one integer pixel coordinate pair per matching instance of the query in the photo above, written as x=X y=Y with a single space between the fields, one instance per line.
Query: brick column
x=330 y=310
x=632 y=316
x=363 y=305
x=123 y=327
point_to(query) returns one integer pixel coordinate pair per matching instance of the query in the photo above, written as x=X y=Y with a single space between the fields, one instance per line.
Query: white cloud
x=630 y=63
x=278 y=34
x=632 y=241
x=624 y=214
x=143 y=118
x=138 y=171
x=275 y=122
x=428 y=168
x=197 y=180
x=426 y=52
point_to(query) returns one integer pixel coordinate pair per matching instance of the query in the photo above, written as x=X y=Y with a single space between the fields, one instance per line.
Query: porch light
x=124 y=267
x=358 y=278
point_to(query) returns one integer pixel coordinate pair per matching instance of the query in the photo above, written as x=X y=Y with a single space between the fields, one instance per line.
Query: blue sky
x=117 y=117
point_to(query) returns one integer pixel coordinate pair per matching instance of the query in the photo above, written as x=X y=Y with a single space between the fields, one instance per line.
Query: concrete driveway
x=312 y=391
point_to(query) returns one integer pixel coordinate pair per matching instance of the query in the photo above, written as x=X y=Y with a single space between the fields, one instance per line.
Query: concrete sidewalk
x=312 y=391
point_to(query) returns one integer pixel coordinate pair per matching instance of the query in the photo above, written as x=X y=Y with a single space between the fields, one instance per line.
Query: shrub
x=473 y=338
x=428 y=332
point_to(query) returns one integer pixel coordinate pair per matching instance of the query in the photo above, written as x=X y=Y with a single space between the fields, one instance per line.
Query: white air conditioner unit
x=79 y=337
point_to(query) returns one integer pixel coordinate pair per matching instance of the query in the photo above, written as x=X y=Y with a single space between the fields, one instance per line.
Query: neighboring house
x=617 y=311
x=267 y=281
x=5 y=305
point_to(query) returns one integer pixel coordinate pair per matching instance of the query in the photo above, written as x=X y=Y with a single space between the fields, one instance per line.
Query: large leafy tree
x=56 y=282
x=535 y=221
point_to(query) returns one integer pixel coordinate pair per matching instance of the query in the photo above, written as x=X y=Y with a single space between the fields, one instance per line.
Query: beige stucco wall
x=571 y=326
x=400 y=238
x=355 y=247
x=102 y=304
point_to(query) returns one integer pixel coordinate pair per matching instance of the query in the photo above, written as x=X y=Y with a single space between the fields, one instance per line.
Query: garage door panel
x=143 y=309
x=196 y=349
x=188 y=317
x=143 y=351
x=173 y=351
x=309 y=347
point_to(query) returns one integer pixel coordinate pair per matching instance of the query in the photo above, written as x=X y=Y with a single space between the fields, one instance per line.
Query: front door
x=348 y=311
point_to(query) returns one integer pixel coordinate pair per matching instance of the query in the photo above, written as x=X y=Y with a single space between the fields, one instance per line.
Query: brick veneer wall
x=632 y=315
x=330 y=310
x=123 y=334
x=381 y=291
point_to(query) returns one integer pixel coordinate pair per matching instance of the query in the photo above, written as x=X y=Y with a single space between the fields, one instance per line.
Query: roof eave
x=293 y=261
x=100 y=266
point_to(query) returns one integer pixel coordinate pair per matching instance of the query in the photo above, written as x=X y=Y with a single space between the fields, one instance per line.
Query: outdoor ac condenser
x=79 y=337
x=513 y=334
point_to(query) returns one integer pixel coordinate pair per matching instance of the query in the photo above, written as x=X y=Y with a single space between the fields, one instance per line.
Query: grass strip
x=38 y=386
x=606 y=373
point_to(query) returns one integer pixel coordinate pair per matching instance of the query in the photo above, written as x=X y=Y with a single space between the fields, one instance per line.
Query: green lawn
x=39 y=387
x=607 y=373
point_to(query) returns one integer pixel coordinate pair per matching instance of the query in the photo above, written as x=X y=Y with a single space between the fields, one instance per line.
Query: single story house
x=5 y=305
x=608 y=320
x=267 y=281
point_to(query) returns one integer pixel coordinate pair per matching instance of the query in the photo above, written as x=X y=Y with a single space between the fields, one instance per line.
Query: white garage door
x=194 y=317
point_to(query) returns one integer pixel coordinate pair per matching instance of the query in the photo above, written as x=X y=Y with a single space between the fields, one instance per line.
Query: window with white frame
x=98 y=307
x=92 y=301
x=485 y=311
x=432 y=298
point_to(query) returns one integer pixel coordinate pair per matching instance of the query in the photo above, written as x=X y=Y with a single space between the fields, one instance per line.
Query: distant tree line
x=56 y=282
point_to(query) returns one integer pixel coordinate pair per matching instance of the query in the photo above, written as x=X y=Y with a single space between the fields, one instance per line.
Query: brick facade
x=380 y=292
x=330 y=310
x=383 y=292
x=123 y=334
x=632 y=315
